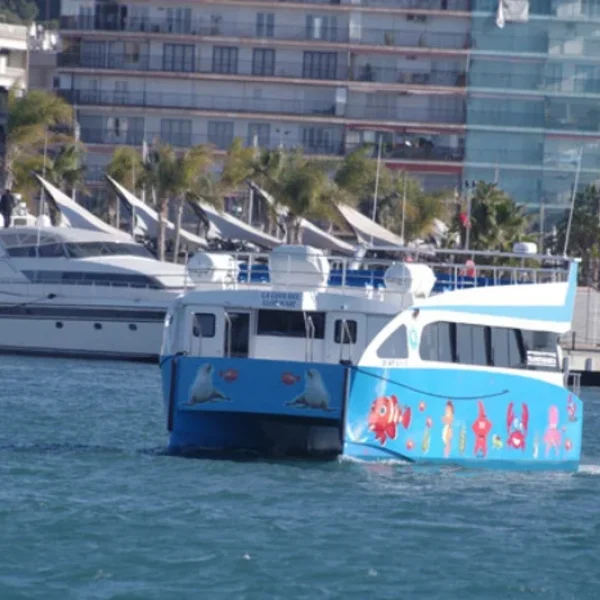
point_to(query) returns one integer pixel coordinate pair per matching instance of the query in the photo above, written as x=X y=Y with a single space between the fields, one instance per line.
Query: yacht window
x=438 y=342
x=505 y=348
x=289 y=323
x=93 y=278
x=51 y=250
x=395 y=346
x=22 y=252
x=471 y=345
x=87 y=249
x=349 y=332
x=204 y=325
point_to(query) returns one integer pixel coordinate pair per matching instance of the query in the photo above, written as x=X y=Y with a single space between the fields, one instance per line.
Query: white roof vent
x=410 y=278
x=205 y=267
x=299 y=267
x=525 y=248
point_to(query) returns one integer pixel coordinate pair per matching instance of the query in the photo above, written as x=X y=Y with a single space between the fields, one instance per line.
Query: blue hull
x=468 y=418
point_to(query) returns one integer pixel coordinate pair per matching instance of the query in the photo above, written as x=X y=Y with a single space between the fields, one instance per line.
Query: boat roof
x=278 y=298
x=26 y=236
x=546 y=306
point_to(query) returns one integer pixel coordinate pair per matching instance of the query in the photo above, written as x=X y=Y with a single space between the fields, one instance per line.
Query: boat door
x=205 y=331
x=237 y=334
x=346 y=336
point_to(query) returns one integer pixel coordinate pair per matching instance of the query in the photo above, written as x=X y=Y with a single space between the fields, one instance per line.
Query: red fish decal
x=289 y=378
x=385 y=415
x=517 y=428
x=230 y=375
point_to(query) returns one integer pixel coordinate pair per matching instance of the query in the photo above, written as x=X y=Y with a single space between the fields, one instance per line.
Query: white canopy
x=233 y=228
x=367 y=230
x=76 y=216
x=311 y=234
x=149 y=217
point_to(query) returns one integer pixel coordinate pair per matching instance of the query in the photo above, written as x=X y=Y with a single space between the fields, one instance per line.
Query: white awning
x=311 y=234
x=367 y=230
x=76 y=215
x=149 y=216
x=233 y=228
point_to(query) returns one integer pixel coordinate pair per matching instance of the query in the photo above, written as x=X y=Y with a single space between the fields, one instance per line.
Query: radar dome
x=298 y=266
x=206 y=267
x=410 y=278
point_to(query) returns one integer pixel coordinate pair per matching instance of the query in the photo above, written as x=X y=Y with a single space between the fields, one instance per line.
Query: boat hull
x=446 y=416
x=65 y=335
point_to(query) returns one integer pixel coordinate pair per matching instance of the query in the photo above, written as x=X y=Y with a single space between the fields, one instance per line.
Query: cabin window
x=505 y=348
x=22 y=252
x=289 y=323
x=395 y=346
x=438 y=342
x=539 y=349
x=471 y=345
x=204 y=325
x=51 y=251
x=494 y=346
x=346 y=333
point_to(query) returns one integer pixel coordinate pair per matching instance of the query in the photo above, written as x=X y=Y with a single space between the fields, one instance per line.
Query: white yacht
x=76 y=292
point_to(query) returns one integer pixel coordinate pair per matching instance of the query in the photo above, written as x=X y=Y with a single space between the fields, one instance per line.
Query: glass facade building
x=533 y=101
x=452 y=95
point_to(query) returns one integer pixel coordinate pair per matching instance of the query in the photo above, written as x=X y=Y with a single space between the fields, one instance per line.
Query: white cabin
x=295 y=317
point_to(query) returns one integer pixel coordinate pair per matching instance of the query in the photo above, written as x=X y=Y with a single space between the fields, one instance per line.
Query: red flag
x=464 y=219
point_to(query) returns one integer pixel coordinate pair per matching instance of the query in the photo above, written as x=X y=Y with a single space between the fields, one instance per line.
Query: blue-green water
x=89 y=508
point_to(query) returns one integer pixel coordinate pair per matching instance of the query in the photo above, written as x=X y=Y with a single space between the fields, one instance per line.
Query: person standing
x=6 y=206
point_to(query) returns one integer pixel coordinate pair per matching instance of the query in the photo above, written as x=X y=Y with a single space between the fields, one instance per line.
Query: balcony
x=218 y=103
x=413 y=112
x=325 y=146
x=415 y=37
x=276 y=69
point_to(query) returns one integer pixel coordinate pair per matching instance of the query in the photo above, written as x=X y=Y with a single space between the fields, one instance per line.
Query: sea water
x=91 y=507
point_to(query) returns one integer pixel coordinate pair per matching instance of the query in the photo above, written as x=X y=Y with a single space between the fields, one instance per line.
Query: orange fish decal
x=289 y=378
x=229 y=375
x=385 y=415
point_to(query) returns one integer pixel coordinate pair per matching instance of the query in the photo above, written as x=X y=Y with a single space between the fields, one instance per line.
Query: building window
x=179 y=58
x=261 y=132
x=554 y=76
x=321 y=28
x=590 y=8
x=204 y=325
x=93 y=54
x=220 y=133
x=344 y=330
x=317 y=140
x=225 y=60
x=177 y=132
x=319 y=65
x=265 y=24
x=179 y=20
x=263 y=62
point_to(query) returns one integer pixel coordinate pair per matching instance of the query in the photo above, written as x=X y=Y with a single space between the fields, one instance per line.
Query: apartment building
x=500 y=90
x=13 y=72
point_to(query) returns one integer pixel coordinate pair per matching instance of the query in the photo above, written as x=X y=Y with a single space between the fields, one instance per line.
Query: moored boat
x=472 y=377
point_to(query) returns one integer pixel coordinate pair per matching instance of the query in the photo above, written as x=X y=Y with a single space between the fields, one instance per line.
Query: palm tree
x=36 y=120
x=497 y=222
x=182 y=177
x=299 y=186
x=126 y=168
x=357 y=174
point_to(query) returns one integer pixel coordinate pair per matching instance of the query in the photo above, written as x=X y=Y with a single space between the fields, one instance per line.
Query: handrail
x=346 y=340
x=229 y=335
x=310 y=338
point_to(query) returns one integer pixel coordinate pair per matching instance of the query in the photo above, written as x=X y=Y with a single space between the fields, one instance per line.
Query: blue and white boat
x=470 y=377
